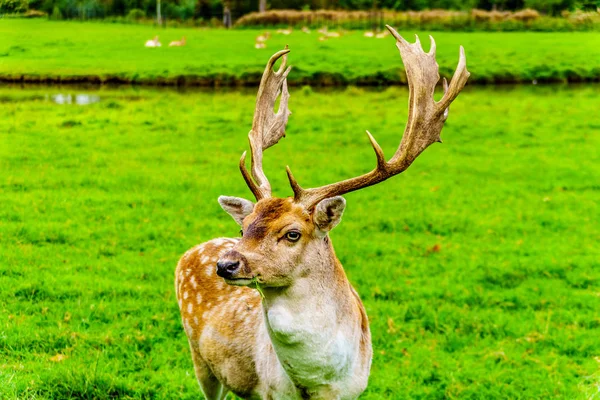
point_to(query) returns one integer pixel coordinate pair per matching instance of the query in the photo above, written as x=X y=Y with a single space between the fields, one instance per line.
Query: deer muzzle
x=232 y=266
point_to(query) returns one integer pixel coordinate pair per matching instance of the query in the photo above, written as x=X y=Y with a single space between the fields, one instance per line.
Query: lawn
x=34 y=50
x=479 y=266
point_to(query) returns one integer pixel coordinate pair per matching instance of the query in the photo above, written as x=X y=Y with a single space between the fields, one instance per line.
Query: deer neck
x=315 y=324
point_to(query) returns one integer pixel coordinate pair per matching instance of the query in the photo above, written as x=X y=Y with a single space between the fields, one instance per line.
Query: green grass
x=39 y=50
x=479 y=266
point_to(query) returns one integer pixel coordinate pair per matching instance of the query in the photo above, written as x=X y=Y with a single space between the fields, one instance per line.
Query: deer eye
x=293 y=236
x=241 y=232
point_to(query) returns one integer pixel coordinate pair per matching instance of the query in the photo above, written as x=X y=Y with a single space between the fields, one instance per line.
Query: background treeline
x=206 y=10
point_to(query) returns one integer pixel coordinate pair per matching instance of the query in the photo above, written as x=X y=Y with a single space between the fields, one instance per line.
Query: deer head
x=283 y=238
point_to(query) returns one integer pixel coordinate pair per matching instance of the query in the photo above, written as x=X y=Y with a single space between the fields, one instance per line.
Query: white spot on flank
x=180 y=303
x=188 y=272
x=204 y=259
x=185 y=295
x=220 y=284
x=195 y=320
x=220 y=298
x=188 y=328
x=198 y=298
x=209 y=270
x=190 y=308
x=193 y=282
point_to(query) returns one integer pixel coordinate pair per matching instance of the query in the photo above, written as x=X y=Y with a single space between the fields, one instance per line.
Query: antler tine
x=447 y=109
x=458 y=82
x=254 y=188
x=267 y=127
x=432 y=47
x=425 y=121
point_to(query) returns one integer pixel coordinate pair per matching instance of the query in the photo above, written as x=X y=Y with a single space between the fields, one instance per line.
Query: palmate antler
x=425 y=121
x=267 y=127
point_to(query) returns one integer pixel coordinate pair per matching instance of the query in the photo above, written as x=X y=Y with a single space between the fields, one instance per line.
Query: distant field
x=479 y=267
x=34 y=50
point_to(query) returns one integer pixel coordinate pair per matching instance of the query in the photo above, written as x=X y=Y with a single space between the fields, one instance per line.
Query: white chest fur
x=313 y=348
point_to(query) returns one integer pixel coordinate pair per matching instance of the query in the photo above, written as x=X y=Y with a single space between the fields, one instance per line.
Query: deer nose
x=226 y=269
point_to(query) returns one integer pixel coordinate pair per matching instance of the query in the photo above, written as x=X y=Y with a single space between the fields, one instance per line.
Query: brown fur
x=217 y=318
x=265 y=215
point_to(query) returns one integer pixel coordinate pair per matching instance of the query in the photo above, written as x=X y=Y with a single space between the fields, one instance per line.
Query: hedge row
x=524 y=20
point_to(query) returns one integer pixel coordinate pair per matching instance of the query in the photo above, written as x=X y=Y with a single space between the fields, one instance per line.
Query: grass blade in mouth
x=257 y=287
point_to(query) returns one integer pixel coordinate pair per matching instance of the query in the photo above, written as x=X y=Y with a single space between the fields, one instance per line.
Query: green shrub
x=135 y=14
x=13 y=6
x=552 y=7
x=56 y=13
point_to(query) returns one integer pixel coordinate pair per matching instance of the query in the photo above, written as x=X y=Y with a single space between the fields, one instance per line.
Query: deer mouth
x=239 y=281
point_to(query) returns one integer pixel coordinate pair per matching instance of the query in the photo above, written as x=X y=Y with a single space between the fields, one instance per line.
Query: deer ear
x=237 y=207
x=328 y=213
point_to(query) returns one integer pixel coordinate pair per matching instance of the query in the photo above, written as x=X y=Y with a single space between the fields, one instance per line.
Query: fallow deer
x=264 y=37
x=261 y=40
x=178 y=43
x=153 y=42
x=271 y=315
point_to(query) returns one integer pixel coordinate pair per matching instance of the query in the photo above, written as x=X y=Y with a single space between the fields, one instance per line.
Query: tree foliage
x=207 y=9
x=13 y=6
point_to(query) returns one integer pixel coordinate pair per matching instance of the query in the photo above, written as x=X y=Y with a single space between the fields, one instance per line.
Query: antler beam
x=268 y=127
x=426 y=119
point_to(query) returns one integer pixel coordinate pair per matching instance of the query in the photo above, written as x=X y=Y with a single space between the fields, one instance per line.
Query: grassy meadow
x=478 y=267
x=40 y=50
